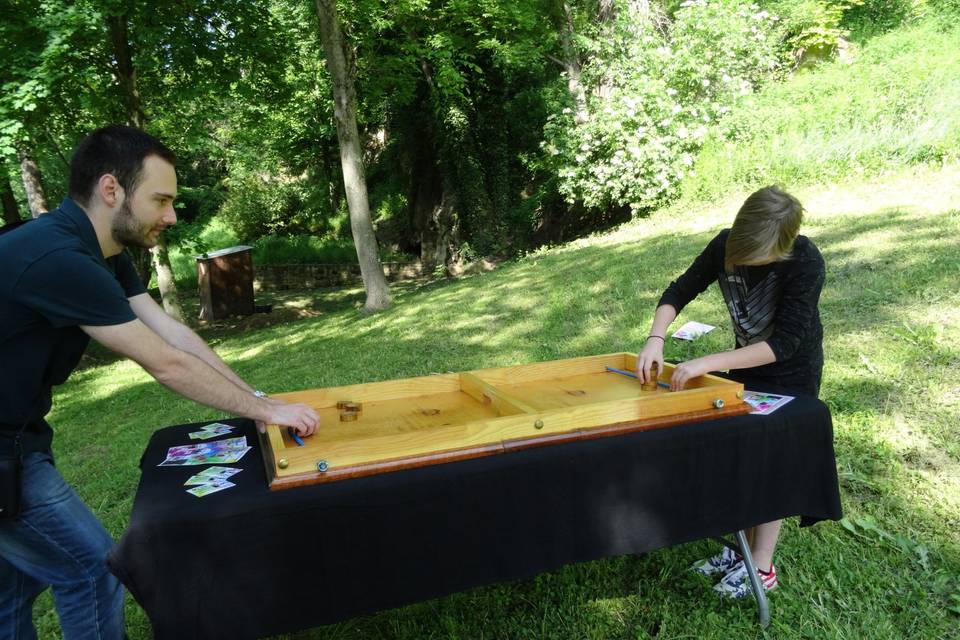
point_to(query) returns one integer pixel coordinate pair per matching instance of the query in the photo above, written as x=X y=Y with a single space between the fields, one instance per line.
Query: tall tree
x=32 y=183
x=570 y=60
x=126 y=74
x=11 y=212
x=341 y=65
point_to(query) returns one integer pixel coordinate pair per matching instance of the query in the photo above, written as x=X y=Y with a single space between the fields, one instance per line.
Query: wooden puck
x=651 y=384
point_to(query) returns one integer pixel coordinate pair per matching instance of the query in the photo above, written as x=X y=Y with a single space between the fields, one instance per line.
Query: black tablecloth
x=248 y=562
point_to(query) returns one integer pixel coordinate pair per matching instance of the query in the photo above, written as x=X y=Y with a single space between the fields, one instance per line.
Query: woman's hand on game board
x=652 y=352
x=683 y=372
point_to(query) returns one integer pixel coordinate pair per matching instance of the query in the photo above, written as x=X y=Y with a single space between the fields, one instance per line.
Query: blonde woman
x=771 y=278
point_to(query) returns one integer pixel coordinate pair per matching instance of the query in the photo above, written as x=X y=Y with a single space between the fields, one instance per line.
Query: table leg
x=759 y=593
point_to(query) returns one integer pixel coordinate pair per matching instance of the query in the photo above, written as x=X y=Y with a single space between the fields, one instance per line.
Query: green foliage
x=812 y=26
x=462 y=106
x=457 y=88
x=830 y=123
x=663 y=94
x=188 y=240
x=875 y=17
x=303 y=250
x=263 y=204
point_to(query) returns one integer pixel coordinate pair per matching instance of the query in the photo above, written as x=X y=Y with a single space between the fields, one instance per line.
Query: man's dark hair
x=117 y=150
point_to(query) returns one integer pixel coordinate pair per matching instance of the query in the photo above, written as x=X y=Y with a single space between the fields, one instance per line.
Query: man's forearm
x=187 y=340
x=196 y=379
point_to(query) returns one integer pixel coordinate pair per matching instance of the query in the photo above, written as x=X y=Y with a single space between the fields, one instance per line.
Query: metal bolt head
x=282 y=463
x=718 y=403
x=538 y=424
x=322 y=466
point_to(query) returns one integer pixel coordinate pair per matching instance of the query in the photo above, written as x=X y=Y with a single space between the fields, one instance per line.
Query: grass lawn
x=891 y=313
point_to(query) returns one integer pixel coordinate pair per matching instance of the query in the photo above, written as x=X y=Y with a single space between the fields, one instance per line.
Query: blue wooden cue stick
x=634 y=376
x=296 y=438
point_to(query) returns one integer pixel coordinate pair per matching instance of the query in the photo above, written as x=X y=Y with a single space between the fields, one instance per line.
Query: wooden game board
x=400 y=424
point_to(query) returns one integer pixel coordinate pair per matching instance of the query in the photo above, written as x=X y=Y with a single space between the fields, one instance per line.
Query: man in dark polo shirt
x=64 y=278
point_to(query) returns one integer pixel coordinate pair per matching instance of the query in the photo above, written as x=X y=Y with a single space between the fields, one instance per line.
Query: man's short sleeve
x=69 y=287
x=127 y=275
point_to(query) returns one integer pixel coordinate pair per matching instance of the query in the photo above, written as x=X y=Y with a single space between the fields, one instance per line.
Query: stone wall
x=278 y=277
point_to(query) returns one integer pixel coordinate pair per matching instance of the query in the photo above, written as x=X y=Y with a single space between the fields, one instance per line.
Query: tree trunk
x=607 y=15
x=431 y=208
x=145 y=261
x=431 y=201
x=339 y=61
x=571 y=64
x=11 y=213
x=142 y=263
x=124 y=70
x=32 y=184
x=165 y=281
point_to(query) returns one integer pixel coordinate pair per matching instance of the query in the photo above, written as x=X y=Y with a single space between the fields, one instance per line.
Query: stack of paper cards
x=210 y=480
x=765 y=403
x=212 y=430
x=218 y=452
x=692 y=330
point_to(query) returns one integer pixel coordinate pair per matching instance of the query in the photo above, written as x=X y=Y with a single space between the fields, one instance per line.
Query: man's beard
x=129 y=232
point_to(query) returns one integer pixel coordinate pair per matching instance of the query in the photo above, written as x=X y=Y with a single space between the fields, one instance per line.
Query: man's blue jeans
x=56 y=542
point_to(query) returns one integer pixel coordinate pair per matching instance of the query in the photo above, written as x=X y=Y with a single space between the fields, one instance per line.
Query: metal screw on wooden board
x=322 y=466
x=282 y=463
x=718 y=403
x=740 y=394
x=538 y=424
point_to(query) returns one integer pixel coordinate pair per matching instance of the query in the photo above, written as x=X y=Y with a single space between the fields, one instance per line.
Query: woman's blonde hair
x=764 y=229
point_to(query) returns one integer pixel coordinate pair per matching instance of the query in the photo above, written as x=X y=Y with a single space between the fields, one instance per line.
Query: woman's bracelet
x=653 y=336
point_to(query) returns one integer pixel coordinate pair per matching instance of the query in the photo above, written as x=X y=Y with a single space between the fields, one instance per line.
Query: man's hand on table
x=303 y=418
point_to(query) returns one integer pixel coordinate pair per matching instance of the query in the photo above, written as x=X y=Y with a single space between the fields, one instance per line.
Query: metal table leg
x=759 y=593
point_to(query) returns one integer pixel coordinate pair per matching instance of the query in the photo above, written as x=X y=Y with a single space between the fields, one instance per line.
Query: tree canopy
x=485 y=126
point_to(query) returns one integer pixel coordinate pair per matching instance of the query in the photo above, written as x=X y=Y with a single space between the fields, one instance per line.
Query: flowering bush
x=661 y=93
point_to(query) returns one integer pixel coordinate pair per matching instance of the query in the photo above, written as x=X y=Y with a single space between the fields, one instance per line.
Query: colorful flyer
x=211 y=430
x=692 y=330
x=226 y=451
x=207 y=489
x=765 y=403
x=211 y=475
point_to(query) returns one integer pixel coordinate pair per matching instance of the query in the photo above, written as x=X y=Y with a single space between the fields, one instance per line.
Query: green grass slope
x=893 y=106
